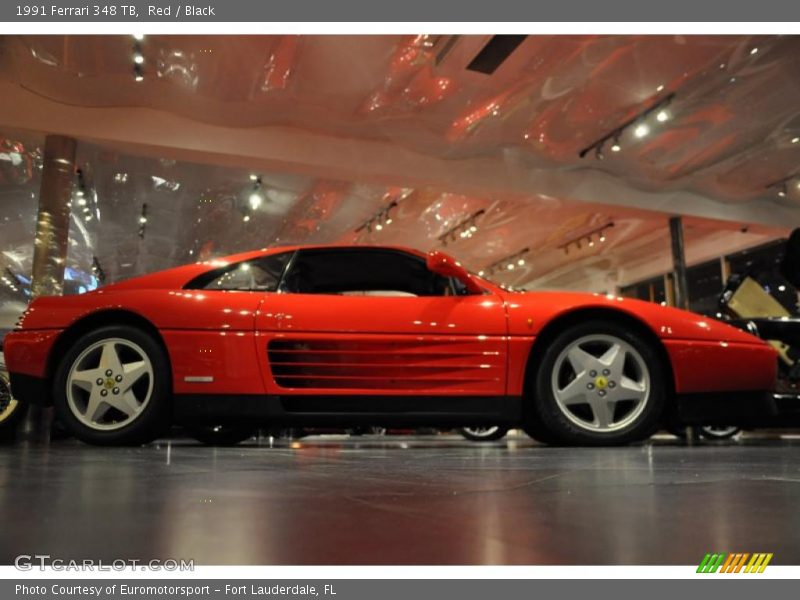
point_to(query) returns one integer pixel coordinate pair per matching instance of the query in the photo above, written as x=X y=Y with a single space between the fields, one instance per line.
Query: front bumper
x=742 y=409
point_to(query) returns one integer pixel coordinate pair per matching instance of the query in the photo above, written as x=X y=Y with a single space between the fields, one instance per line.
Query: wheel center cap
x=601 y=383
x=109 y=383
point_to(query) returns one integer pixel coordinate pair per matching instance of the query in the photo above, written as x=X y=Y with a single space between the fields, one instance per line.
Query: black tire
x=536 y=431
x=553 y=424
x=221 y=435
x=154 y=419
x=483 y=434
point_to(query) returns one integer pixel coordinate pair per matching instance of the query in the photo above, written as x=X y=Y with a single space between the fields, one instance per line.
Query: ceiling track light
x=509 y=263
x=143 y=221
x=138 y=59
x=464 y=229
x=588 y=238
x=641 y=130
x=256 y=198
x=379 y=220
x=82 y=198
x=782 y=185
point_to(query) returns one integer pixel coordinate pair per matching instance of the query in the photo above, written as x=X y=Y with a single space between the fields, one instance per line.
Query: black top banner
x=441 y=11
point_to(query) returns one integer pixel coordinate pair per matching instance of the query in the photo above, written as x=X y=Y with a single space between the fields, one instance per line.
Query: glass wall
x=707 y=280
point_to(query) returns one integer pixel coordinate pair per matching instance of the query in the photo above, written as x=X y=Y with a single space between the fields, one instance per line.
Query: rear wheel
x=483 y=434
x=598 y=384
x=113 y=387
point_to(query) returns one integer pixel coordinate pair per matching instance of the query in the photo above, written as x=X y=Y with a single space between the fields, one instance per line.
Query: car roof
x=178 y=277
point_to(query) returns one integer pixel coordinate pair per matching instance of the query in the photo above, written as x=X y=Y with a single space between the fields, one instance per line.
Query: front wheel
x=113 y=387
x=483 y=434
x=599 y=384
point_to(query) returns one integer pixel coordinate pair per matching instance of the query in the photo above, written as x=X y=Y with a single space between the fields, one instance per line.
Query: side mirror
x=446 y=266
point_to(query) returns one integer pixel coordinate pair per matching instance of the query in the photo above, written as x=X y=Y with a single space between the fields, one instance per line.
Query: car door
x=372 y=322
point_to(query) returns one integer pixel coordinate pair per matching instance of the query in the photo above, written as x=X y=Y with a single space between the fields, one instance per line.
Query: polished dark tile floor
x=402 y=500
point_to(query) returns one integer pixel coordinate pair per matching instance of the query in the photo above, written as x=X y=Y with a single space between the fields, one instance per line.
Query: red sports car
x=333 y=335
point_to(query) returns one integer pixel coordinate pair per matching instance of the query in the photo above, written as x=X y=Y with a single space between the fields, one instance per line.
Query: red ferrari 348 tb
x=340 y=335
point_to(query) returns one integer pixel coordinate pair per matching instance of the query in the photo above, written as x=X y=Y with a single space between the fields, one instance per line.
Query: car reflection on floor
x=402 y=500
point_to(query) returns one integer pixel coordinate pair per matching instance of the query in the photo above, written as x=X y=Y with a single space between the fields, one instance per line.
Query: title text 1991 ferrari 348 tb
x=374 y=335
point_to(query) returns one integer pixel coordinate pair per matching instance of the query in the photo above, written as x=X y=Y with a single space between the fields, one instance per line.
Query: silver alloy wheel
x=110 y=384
x=601 y=383
x=719 y=431
x=7 y=403
x=479 y=432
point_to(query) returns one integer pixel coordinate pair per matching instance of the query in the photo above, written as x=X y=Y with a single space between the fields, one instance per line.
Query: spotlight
x=246 y=218
x=255 y=200
x=598 y=152
x=138 y=58
x=464 y=229
x=796 y=140
x=138 y=77
x=142 y=220
x=138 y=36
x=639 y=123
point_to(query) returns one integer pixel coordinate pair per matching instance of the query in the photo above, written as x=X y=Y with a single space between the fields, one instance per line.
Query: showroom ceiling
x=699 y=125
x=730 y=130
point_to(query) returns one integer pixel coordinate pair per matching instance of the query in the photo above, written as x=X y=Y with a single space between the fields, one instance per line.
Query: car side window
x=363 y=272
x=258 y=275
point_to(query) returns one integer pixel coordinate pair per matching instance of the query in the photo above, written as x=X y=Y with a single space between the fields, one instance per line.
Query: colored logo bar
x=735 y=562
